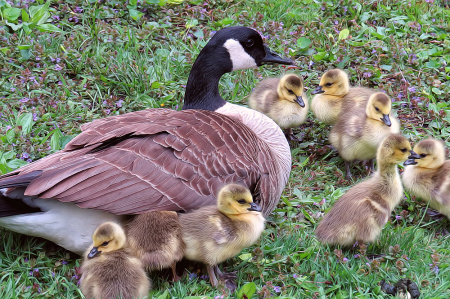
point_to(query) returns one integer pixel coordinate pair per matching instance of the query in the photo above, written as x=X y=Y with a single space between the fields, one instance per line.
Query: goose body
x=155 y=159
x=109 y=271
x=155 y=237
x=427 y=175
x=360 y=214
x=216 y=233
x=281 y=99
x=362 y=127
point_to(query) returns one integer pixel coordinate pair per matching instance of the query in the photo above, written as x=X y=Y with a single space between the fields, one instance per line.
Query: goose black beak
x=386 y=120
x=318 y=90
x=413 y=155
x=254 y=207
x=299 y=100
x=272 y=57
x=94 y=251
x=410 y=162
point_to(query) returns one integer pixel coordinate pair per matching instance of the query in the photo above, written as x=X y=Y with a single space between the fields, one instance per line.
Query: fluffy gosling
x=283 y=100
x=360 y=214
x=156 y=240
x=213 y=234
x=109 y=270
x=427 y=174
x=361 y=128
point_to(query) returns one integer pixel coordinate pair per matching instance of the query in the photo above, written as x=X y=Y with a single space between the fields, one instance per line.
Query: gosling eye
x=105 y=243
x=290 y=91
x=376 y=108
x=241 y=201
x=404 y=150
x=423 y=155
x=328 y=84
x=249 y=43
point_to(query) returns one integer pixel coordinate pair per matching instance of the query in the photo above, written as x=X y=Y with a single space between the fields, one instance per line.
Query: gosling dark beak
x=318 y=90
x=386 y=120
x=299 y=100
x=94 y=251
x=272 y=57
x=254 y=207
x=413 y=155
x=412 y=158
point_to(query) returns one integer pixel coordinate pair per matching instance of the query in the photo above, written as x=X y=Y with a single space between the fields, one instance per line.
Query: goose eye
x=376 y=108
x=105 y=243
x=241 y=201
x=423 y=155
x=290 y=91
x=249 y=43
x=404 y=150
x=328 y=84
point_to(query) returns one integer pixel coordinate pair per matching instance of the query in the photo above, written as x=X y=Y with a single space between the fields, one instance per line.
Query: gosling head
x=290 y=88
x=394 y=149
x=429 y=153
x=334 y=82
x=379 y=107
x=235 y=200
x=108 y=237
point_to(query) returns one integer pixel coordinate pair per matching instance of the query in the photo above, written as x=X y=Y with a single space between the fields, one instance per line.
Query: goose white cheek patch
x=239 y=58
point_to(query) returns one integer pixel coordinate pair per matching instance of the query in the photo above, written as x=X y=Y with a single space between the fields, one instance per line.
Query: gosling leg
x=348 y=174
x=224 y=275
x=175 y=276
x=371 y=166
x=212 y=276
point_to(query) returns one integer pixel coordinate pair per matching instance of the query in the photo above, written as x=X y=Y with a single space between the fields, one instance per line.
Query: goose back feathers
x=154 y=160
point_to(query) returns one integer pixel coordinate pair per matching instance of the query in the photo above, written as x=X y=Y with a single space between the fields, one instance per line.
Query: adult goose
x=155 y=159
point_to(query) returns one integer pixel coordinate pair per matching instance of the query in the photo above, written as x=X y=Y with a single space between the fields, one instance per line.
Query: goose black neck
x=202 y=88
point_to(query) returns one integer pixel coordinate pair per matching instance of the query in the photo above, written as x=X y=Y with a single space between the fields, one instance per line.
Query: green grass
x=106 y=58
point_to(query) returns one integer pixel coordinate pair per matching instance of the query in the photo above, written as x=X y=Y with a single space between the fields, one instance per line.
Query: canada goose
x=215 y=233
x=427 y=174
x=334 y=95
x=359 y=130
x=155 y=159
x=360 y=214
x=109 y=271
x=156 y=240
x=283 y=100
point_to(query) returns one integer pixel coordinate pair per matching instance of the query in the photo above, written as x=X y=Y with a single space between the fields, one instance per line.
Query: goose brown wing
x=155 y=159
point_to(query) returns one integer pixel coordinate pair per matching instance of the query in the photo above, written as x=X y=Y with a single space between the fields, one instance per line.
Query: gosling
x=156 y=240
x=213 y=234
x=283 y=100
x=109 y=270
x=333 y=91
x=360 y=130
x=360 y=214
x=427 y=174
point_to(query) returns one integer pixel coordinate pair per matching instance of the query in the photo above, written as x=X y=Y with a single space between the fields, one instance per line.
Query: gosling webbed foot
x=348 y=174
x=290 y=136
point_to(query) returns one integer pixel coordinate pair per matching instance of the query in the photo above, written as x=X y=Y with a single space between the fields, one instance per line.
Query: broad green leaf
x=25 y=16
x=10 y=135
x=344 y=34
x=48 y=28
x=224 y=22
x=25 y=120
x=54 y=141
x=14 y=26
x=386 y=67
x=248 y=290
x=245 y=256
x=135 y=14
x=164 y=295
x=133 y=2
x=191 y=23
x=152 y=1
x=41 y=13
x=16 y=163
x=303 y=42
x=9 y=155
x=4 y=50
x=12 y=13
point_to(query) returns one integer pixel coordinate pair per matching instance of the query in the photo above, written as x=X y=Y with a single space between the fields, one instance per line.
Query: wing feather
x=155 y=159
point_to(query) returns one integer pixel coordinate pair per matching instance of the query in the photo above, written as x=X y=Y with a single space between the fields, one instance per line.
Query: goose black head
x=230 y=49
